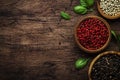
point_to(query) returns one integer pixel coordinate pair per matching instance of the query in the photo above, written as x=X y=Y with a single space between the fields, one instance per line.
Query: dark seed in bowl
x=106 y=68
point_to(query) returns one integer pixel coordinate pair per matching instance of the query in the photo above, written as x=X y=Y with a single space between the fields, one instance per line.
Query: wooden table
x=36 y=44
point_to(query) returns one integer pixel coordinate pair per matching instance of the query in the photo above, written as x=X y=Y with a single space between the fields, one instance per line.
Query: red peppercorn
x=92 y=33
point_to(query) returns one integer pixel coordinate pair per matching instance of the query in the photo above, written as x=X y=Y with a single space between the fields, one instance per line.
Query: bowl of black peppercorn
x=106 y=66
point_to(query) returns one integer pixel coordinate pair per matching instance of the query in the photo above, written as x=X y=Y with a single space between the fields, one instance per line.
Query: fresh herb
x=80 y=63
x=65 y=15
x=89 y=2
x=80 y=9
x=117 y=37
x=86 y=3
x=83 y=3
x=114 y=34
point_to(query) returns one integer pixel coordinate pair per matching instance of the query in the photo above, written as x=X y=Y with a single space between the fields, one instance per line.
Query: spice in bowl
x=110 y=7
x=92 y=34
x=105 y=66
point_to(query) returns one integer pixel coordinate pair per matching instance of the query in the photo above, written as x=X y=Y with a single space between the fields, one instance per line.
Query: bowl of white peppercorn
x=109 y=9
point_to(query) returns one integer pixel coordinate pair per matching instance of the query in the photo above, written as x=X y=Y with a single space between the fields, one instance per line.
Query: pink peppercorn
x=92 y=33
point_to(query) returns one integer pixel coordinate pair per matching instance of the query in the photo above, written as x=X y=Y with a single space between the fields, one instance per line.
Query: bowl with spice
x=109 y=9
x=92 y=34
x=106 y=66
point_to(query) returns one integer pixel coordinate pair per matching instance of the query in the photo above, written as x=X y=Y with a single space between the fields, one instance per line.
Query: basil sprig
x=114 y=34
x=86 y=3
x=89 y=2
x=65 y=15
x=83 y=3
x=82 y=8
x=81 y=63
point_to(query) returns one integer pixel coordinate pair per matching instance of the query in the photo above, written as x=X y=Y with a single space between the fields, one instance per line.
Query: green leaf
x=89 y=2
x=84 y=12
x=114 y=34
x=81 y=63
x=80 y=10
x=117 y=37
x=65 y=15
x=83 y=3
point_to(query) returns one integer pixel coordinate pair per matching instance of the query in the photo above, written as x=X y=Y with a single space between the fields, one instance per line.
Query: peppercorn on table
x=36 y=44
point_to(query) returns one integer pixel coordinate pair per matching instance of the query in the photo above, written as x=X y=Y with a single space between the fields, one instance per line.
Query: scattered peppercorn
x=92 y=33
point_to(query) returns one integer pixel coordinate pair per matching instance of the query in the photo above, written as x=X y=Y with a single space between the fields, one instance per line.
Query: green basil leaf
x=85 y=11
x=89 y=2
x=80 y=63
x=83 y=3
x=117 y=37
x=64 y=15
x=80 y=9
x=114 y=34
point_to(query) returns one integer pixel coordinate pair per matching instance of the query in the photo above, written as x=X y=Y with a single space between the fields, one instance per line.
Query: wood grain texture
x=36 y=44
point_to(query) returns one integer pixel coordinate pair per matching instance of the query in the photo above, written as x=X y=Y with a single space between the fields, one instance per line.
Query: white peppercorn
x=110 y=7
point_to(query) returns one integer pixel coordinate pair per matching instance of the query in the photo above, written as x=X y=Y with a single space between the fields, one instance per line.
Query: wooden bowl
x=105 y=15
x=88 y=50
x=96 y=58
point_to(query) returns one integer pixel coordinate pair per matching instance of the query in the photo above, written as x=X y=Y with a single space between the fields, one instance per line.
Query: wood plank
x=36 y=44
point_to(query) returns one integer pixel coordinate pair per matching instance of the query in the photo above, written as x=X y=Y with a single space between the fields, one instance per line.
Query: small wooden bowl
x=97 y=50
x=96 y=58
x=105 y=15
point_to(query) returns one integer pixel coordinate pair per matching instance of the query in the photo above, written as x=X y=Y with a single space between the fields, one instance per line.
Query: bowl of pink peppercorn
x=92 y=34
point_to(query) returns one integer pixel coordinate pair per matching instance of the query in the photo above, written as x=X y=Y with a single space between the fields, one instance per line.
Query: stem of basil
x=114 y=34
x=117 y=37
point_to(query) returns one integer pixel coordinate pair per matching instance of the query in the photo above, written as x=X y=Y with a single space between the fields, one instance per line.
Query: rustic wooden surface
x=36 y=44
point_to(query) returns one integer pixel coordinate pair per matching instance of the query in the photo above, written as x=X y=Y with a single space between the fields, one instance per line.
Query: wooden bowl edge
x=96 y=58
x=87 y=50
x=106 y=16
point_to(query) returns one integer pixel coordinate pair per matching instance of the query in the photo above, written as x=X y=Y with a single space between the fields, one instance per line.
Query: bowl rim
x=81 y=46
x=96 y=58
x=105 y=15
